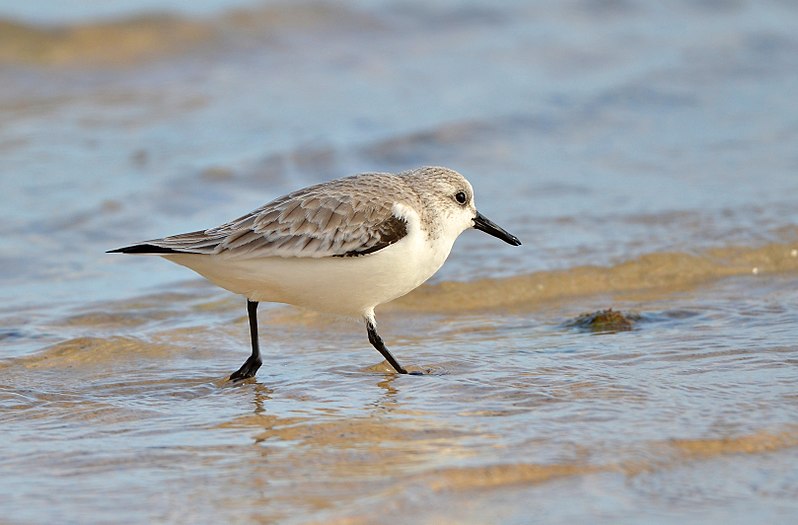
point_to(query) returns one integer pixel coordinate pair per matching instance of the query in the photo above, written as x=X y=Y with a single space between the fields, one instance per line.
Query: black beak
x=486 y=225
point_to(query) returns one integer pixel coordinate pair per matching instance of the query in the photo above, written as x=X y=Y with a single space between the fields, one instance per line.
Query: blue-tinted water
x=644 y=154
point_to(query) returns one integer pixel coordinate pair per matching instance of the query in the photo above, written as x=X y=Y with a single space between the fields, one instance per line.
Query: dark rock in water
x=605 y=321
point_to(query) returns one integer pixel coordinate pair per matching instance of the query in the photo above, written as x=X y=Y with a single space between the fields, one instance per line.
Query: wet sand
x=646 y=169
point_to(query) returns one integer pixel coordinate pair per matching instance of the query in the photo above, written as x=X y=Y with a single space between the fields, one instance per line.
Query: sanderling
x=344 y=246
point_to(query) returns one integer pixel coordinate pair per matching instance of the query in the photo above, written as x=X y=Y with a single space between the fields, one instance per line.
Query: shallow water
x=644 y=155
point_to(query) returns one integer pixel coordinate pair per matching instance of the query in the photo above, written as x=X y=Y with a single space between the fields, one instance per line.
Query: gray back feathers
x=344 y=217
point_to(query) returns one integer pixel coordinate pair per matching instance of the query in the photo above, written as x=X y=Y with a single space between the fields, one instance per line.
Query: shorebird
x=345 y=246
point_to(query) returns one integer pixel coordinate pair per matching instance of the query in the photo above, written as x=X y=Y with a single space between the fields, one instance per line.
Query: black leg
x=251 y=365
x=376 y=341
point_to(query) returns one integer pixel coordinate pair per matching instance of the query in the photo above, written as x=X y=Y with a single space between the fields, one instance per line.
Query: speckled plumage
x=344 y=246
x=349 y=216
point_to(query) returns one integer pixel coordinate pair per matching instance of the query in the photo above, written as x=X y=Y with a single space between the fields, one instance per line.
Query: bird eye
x=460 y=197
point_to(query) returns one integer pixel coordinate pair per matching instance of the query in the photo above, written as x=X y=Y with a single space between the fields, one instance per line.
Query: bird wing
x=343 y=218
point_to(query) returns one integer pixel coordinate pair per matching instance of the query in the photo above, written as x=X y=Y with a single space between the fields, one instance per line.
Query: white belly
x=343 y=285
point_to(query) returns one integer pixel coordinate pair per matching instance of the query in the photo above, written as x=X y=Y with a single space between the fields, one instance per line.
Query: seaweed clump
x=605 y=321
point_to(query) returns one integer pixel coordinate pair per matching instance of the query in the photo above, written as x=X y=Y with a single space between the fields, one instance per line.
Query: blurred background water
x=644 y=152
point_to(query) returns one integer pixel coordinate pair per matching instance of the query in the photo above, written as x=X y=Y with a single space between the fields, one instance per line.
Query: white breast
x=342 y=285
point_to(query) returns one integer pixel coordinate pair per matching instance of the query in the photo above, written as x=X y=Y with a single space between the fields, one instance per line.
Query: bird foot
x=247 y=370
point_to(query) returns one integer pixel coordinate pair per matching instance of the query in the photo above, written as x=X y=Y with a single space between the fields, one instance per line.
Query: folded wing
x=329 y=220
